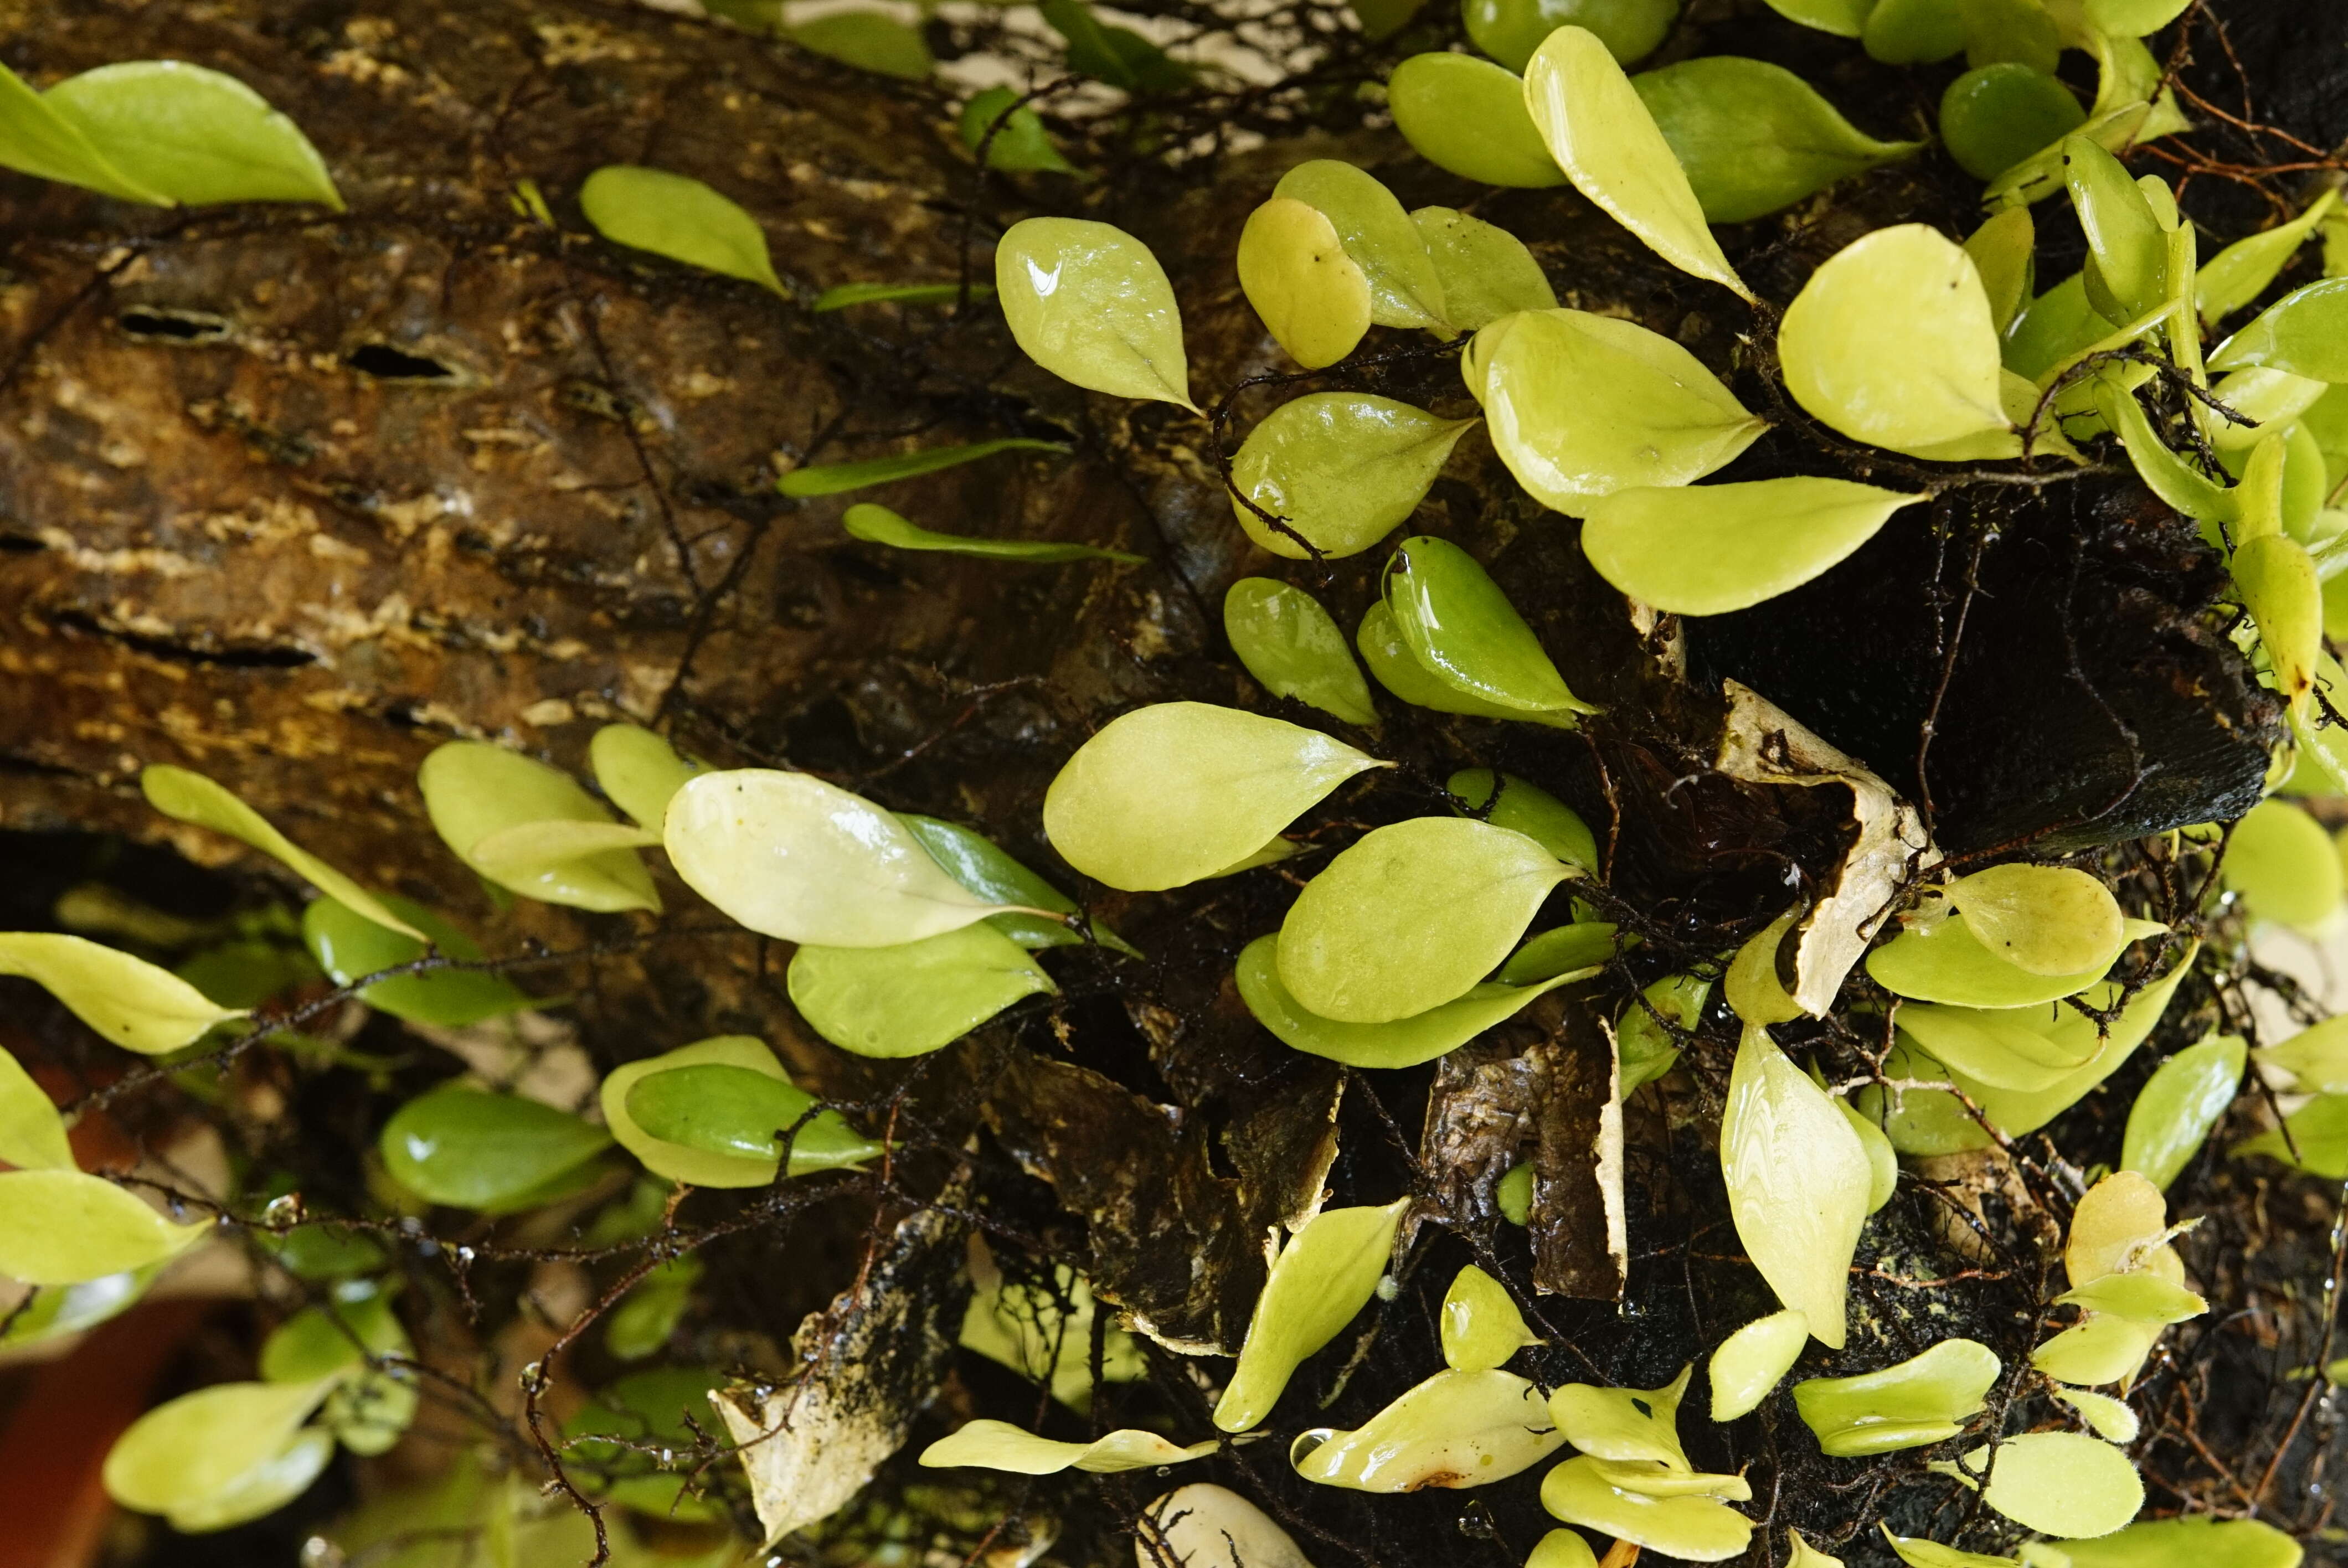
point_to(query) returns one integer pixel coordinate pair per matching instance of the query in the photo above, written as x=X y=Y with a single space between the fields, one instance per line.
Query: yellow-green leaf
x=999 y=1445
x=132 y=1002
x=879 y=526
x=2241 y=272
x=1799 y=1183
x=1755 y=137
x=1487 y=272
x=1625 y=1425
x=680 y=218
x=1398 y=669
x=2304 y=332
x=1312 y=296
x=1940 y=960
x=2047 y=919
x=1405 y=290
x=473 y=790
x=1343 y=469
x=61 y=1227
x=1920 y=1400
x=1088 y=302
x=1457 y=622
x=181 y=1459
x=1467 y=116
x=32 y=1133
x=2281 y=862
x=2200 y=1542
x=1481 y=1325
x=471 y=1149
x=826 y=1143
x=2316 y=1058
x=1457 y=1429
x=1694 y=1528
x=2003 y=249
x=35 y=140
x=1528 y=809
x=192 y=797
x=1397 y=1043
x=1602 y=135
x=1510 y=30
x=832 y=479
x=193 y=135
x=1753 y=1360
x=2110 y=1418
x=1328 y=1273
x=2277 y=579
x=1995 y=115
x=639 y=771
x=1707 y=549
x=1843 y=18
x=2180 y=1104
x=911 y=1000
x=2064 y=1484
x=2127 y=250
x=869 y=40
x=1293 y=648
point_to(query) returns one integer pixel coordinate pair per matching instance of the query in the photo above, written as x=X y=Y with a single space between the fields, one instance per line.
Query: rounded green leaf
x=2241 y=272
x=1405 y=290
x=1752 y=987
x=2133 y=18
x=1341 y=468
x=999 y=1445
x=2006 y=1047
x=2064 y=1484
x=1753 y=1360
x=528 y=849
x=1088 y=302
x=680 y=218
x=1482 y=1326
x=2200 y=1542
x=1398 y=669
x=1310 y=295
x=2110 y=1418
x=1800 y=1554
x=1691 y=1527
x=913 y=1000
x=472 y=790
x=1892 y=344
x=1293 y=648
x=36 y=140
x=1587 y=946
x=1799 y=1182
x=1513 y=1194
x=1562 y=1549
x=1602 y=135
x=1918 y=1553
x=2281 y=862
x=639 y=771
x=1487 y=272
x=185 y=1457
x=1457 y=622
x=1203 y=1526
x=743 y=1113
x=825 y=1143
x=789 y=855
x=1397 y=1043
x=1993 y=118
x=2139 y=1296
x=471 y=1149
x=1755 y=137
x=1843 y=18
x=1708 y=549
x=1410 y=916
x=2278 y=587
x=2004 y=254
x=1583 y=405
x=331 y=1338
x=1530 y=810
x=62 y=1227
x=2047 y=919
x=1328 y=1273
x=1510 y=30
x=979 y=866
x=1913 y=31
x=869 y=40
x=2316 y=1058
x=879 y=526
x=1882 y=1159
x=192 y=797
x=1178 y=791
x=193 y=135
x=350 y=947
x=1019 y=142
x=2304 y=332
x=1457 y=1429
x=839 y=296
x=1942 y=962
x=32 y=1133
x=130 y=1001
x=2127 y=247
x=1467 y=116
x=1920 y=1400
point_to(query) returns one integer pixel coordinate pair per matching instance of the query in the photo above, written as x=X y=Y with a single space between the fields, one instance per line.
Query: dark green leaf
x=349 y=949
x=1117 y=56
x=1456 y=620
x=475 y=1150
x=723 y=1109
x=1993 y=118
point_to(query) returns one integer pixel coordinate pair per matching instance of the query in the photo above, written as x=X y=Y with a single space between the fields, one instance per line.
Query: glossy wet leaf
x=639 y=771
x=530 y=849
x=913 y=1000
x=472 y=1149
x=1457 y=623
x=1755 y=137
x=1627 y=1425
x=1913 y=31
x=2304 y=332
x=984 y=870
x=1310 y=294
x=1530 y=810
x=1394 y=666
x=1510 y=30
x=1707 y=549
x=2240 y=273
x=1942 y=962
x=1586 y=945
x=1644 y=1049
x=789 y=855
x=832 y=479
x=2270 y=400
x=741 y=1112
x=2138 y=1296
x=869 y=40
x=879 y=526
x=679 y=218
x=1487 y=272
x=999 y=1445
x=2006 y=1047
x=1799 y=1183
x=826 y=1143
x=2316 y=1058
x=1892 y=344
x=1582 y=405
x=350 y=947
x=472 y=790
x=1752 y=987
x=1410 y=916
x=1378 y=235
x=193 y=135
x=1995 y=117
x=1088 y=302
x=59 y=1226
x=839 y=296
x=2164 y=472
x=2278 y=587
x=2047 y=919
x=1920 y=1400
x=2317 y=1143
x=1176 y=792
x=1692 y=1528
x=1328 y=1273
x=2064 y=1484
x=1289 y=643
x=2127 y=250
x=185 y=1457
x=1017 y=142
x=1753 y=1360
x=32 y=1131
x=1602 y=135
x=1342 y=468
x=2281 y=862
x=1481 y=1326
x=1467 y=116
x=1800 y=1554
x=59 y=1310
x=128 y=1000
x=2200 y=1542
x=35 y=140
x=1457 y=1429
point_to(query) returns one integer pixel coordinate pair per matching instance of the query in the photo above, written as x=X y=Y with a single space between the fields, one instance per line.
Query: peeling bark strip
x=1581 y=1243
